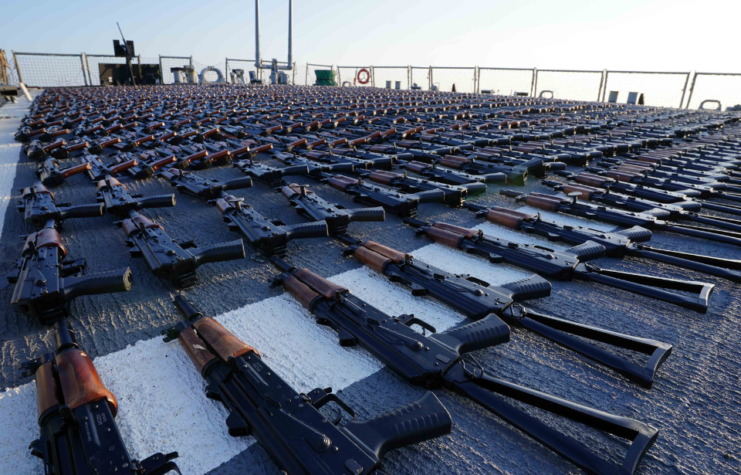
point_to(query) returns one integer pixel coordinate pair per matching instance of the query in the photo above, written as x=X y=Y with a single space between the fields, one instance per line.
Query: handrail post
x=534 y=83
x=226 y=68
x=603 y=82
x=82 y=68
x=373 y=76
x=475 y=79
x=684 y=89
x=17 y=68
x=162 y=72
x=430 y=77
x=692 y=89
x=87 y=65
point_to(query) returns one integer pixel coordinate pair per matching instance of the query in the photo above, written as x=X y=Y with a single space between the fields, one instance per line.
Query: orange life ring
x=365 y=79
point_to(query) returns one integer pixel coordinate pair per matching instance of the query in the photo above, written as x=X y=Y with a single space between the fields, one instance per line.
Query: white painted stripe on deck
x=162 y=407
x=9 y=151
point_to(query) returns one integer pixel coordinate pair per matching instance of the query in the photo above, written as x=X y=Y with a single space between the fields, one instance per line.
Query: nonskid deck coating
x=693 y=402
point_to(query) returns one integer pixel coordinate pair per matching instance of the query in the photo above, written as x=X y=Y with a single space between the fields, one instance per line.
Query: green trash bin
x=325 y=77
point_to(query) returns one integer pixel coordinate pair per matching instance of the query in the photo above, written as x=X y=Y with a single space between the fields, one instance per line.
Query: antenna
x=128 y=54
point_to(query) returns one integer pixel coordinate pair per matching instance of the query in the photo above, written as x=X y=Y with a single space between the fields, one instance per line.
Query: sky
x=659 y=35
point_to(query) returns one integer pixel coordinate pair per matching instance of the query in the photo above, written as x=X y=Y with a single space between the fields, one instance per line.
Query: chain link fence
x=350 y=74
x=568 y=84
x=659 y=88
x=392 y=77
x=664 y=89
x=460 y=79
x=506 y=81
x=421 y=77
x=716 y=90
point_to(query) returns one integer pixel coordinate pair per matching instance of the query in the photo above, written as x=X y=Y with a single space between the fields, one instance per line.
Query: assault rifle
x=616 y=244
x=572 y=206
x=652 y=195
x=99 y=171
x=117 y=200
x=270 y=236
x=337 y=217
x=401 y=204
x=51 y=174
x=566 y=265
x=195 y=185
x=444 y=175
x=674 y=212
x=288 y=425
x=39 y=206
x=46 y=282
x=146 y=164
x=453 y=195
x=490 y=172
x=79 y=435
x=168 y=258
x=440 y=361
x=476 y=299
x=271 y=176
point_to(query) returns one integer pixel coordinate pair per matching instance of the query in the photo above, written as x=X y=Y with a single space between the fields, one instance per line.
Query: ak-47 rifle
x=146 y=164
x=271 y=176
x=454 y=195
x=168 y=258
x=79 y=435
x=476 y=299
x=651 y=194
x=46 y=282
x=338 y=218
x=440 y=361
x=99 y=170
x=270 y=236
x=401 y=204
x=648 y=219
x=490 y=172
x=117 y=200
x=288 y=425
x=674 y=212
x=616 y=244
x=192 y=184
x=50 y=173
x=445 y=175
x=39 y=206
x=566 y=265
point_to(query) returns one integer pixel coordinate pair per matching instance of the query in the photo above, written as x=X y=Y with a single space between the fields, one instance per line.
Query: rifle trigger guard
x=320 y=397
x=409 y=320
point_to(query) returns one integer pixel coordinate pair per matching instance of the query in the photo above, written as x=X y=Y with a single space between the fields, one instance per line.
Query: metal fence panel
x=310 y=68
x=569 y=84
x=388 y=76
x=167 y=62
x=464 y=79
x=51 y=70
x=505 y=81
x=350 y=74
x=246 y=65
x=722 y=87
x=658 y=89
x=421 y=77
